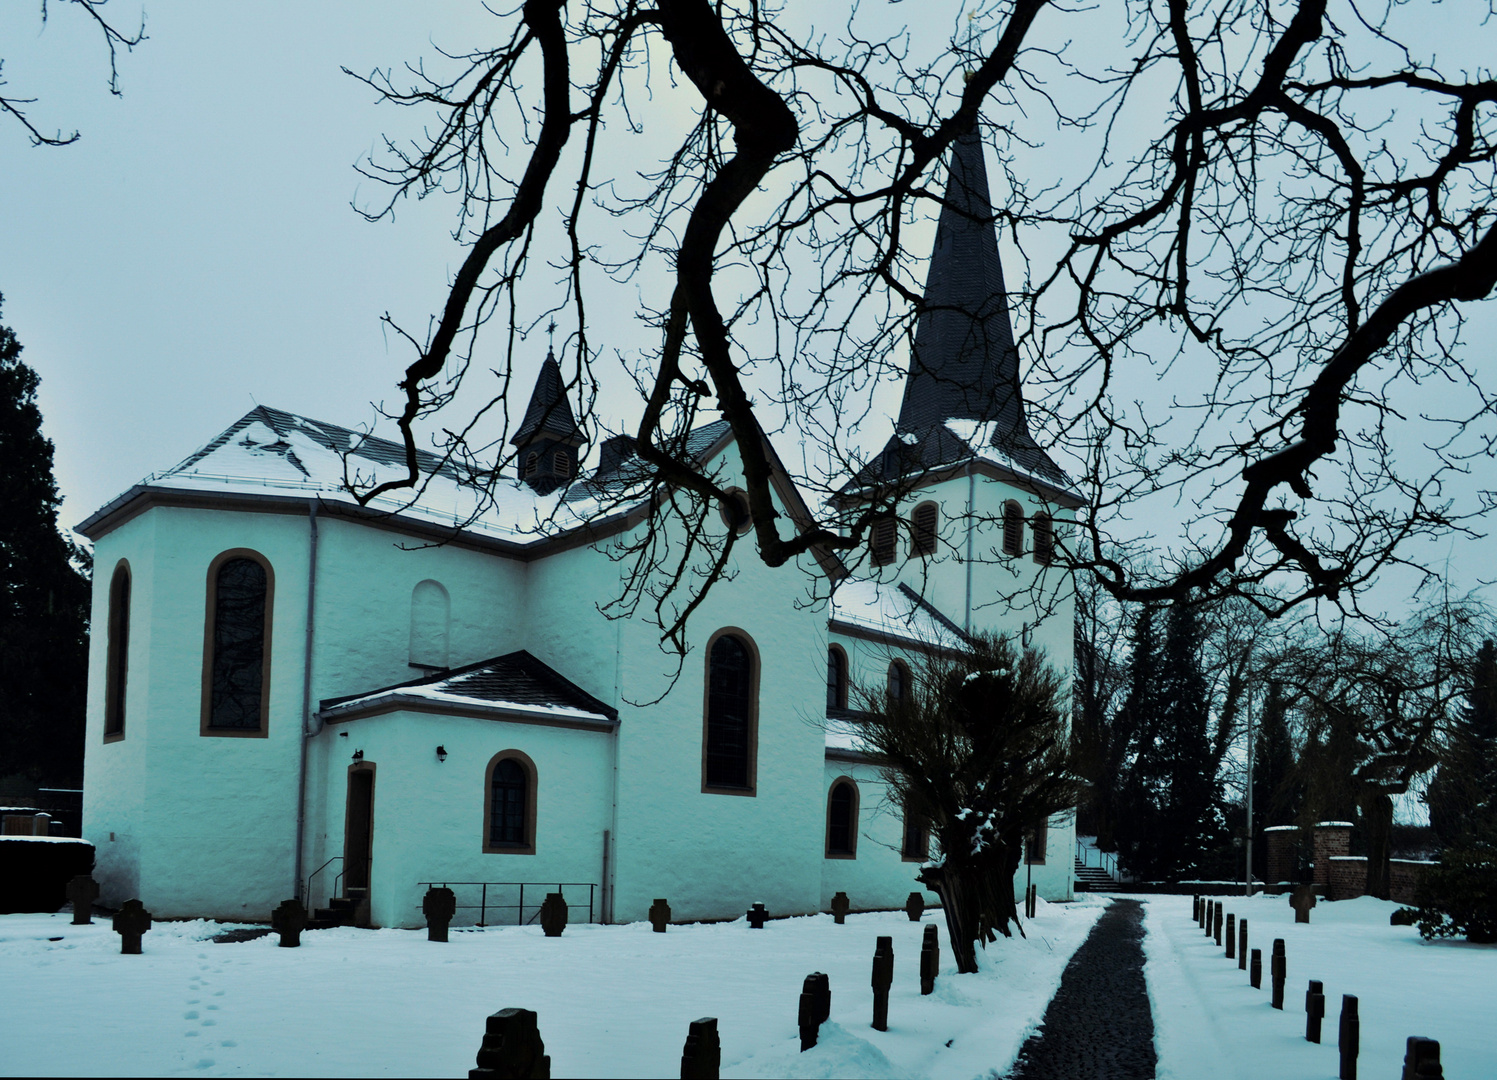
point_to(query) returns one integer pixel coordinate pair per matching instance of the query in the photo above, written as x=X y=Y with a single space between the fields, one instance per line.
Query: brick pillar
x=1282 y=842
x=1331 y=838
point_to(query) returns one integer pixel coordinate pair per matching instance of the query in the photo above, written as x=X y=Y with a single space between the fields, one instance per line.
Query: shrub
x=1459 y=896
x=1404 y=916
x=35 y=871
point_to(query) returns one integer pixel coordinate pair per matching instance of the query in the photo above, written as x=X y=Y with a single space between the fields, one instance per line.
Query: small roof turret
x=549 y=414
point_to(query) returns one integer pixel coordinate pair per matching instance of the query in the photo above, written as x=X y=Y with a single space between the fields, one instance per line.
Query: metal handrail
x=307 y=896
x=1106 y=860
x=484 y=904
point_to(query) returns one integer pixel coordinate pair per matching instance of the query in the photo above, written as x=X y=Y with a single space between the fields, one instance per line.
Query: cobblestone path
x=1099 y=1026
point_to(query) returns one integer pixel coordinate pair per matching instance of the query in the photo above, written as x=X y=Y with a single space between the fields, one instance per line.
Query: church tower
x=549 y=439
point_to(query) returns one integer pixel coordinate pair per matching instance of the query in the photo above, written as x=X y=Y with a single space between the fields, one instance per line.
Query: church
x=292 y=695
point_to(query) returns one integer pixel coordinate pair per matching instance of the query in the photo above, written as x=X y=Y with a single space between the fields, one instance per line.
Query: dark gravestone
x=840 y=907
x=1242 y=945
x=130 y=922
x=702 y=1056
x=883 y=978
x=1349 y=1038
x=821 y=986
x=1195 y=909
x=83 y=891
x=660 y=915
x=1421 y=1059
x=1302 y=900
x=512 y=1048
x=1210 y=918
x=808 y=1016
x=1314 y=1010
x=930 y=960
x=757 y=914
x=554 y=914
x=1216 y=925
x=438 y=905
x=1278 y=972
x=914 y=906
x=289 y=920
x=1255 y=970
x=1231 y=937
x=1032 y=901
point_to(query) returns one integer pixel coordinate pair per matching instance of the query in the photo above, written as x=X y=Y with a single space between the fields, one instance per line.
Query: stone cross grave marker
x=554 y=914
x=512 y=1048
x=757 y=915
x=1302 y=900
x=1255 y=970
x=1279 y=971
x=1231 y=937
x=1314 y=1010
x=438 y=905
x=83 y=891
x=1242 y=955
x=930 y=960
x=1349 y=1037
x=289 y=920
x=130 y=922
x=840 y=908
x=914 y=906
x=1421 y=1059
x=702 y=1056
x=883 y=978
x=660 y=915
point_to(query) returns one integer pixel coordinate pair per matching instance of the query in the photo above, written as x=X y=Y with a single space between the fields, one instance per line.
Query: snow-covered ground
x=613 y=1001
x=1209 y=1022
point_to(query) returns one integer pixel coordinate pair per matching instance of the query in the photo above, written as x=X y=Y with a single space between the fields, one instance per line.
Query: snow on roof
x=894 y=611
x=844 y=735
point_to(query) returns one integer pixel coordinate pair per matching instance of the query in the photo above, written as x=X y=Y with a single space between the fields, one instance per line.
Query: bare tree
x=1266 y=213
x=114 y=38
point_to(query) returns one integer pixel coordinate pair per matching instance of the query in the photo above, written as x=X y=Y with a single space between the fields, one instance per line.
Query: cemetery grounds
x=615 y=1001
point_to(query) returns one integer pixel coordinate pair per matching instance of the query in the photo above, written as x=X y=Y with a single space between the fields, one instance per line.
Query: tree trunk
x=977 y=896
x=1377 y=812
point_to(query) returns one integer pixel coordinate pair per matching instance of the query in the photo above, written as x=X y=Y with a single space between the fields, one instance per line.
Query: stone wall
x=1283 y=845
x=1348 y=877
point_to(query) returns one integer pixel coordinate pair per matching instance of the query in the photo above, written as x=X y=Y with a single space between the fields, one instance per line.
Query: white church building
x=291 y=694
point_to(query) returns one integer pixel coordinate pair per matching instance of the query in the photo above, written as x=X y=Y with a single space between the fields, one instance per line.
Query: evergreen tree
x=1277 y=789
x=1142 y=779
x=44 y=598
x=1190 y=817
x=1462 y=797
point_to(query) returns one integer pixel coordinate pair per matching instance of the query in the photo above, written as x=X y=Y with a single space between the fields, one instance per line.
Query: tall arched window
x=431 y=618
x=842 y=820
x=1044 y=539
x=729 y=723
x=882 y=539
x=899 y=682
x=924 y=524
x=236 y=667
x=836 y=679
x=1013 y=529
x=117 y=665
x=509 y=805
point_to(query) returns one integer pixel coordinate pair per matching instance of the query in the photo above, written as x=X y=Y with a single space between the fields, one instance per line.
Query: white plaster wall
x=428 y=814
x=879 y=877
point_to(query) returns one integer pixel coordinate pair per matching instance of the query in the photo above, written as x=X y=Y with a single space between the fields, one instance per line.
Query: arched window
x=118 y=663
x=236 y=667
x=729 y=733
x=924 y=523
x=509 y=805
x=881 y=541
x=899 y=682
x=532 y=463
x=1035 y=843
x=431 y=619
x=561 y=463
x=836 y=679
x=842 y=820
x=1044 y=539
x=916 y=845
x=1013 y=529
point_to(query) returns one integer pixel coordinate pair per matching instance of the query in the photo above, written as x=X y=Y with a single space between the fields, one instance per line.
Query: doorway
x=358 y=834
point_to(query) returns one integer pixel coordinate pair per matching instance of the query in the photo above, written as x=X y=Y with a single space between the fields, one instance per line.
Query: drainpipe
x=308 y=721
x=611 y=835
x=971 y=509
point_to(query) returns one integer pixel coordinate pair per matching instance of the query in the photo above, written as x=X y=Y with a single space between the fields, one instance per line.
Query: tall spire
x=964 y=365
x=549 y=436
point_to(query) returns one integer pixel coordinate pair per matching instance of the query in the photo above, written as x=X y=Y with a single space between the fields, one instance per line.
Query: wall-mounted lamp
x=441 y=753
x=342 y=734
x=358 y=755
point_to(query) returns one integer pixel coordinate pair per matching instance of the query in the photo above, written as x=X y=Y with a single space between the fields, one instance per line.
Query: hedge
x=35 y=870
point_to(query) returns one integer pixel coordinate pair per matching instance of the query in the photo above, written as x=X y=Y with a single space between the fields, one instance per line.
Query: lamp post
x=1248 y=886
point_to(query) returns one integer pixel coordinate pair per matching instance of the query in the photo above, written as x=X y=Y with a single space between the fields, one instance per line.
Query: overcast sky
x=196 y=253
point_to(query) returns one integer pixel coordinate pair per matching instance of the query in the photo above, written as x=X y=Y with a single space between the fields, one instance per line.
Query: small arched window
x=117 y=666
x=236 y=669
x=1013 y=529
x=509 y=805
x=881 y=540
x=729 y=735
x=924 y=524
x=1044 y=539
x=842 y=820
x=431 y=621
x=899 y=682
x=836 y=679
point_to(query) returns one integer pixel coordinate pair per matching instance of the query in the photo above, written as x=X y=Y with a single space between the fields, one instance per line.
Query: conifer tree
x=1142 y=778
x=1462 y=797
x=44 y=598
x=1190 y=816
x=1277 y=788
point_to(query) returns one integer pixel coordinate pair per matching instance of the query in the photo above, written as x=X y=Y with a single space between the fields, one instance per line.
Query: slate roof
x=516 y=681
x=549 y=414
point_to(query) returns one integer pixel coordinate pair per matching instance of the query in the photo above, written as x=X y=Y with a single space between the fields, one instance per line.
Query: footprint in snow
x=204 y=1063
x=190 y=1014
